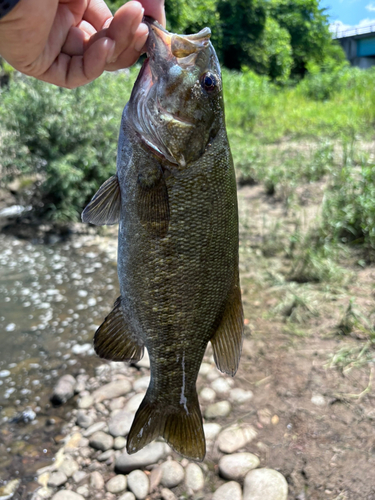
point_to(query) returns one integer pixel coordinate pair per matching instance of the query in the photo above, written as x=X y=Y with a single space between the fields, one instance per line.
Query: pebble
x=220 y=385
x=96 y=480
x=216 y=410
x=230 y=491
x=112 y=390
x=8 y=490
x=235 y=437
x=142 y=383
x=117 y=403
x=265 y=483
x=98 y=426
x=240 y=396
x=57 y=479
x=79 y=476
x=167 y=494
x=120 y=424
x=116 y=484
x=236 y=466
x=133 y=404
x=318 y=400
x=84 y=420
x=194 y=478
x=39 y=494
x=138 y=483
x=149 y=455
x=106 y=455
x=101 y=441
x=145 y=361
x=69 y=467
x=155 y=478
x=119 y=443
x=86 y=402
x=67 y=495
x=211 y=430
x=127 y=496
x=204 y=369
x=63 y=390
x=208 y=394
x=86 y=452
x=172 y=474
x=83 y=490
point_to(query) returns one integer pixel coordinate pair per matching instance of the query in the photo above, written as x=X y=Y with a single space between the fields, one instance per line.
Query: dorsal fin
x=105 y=206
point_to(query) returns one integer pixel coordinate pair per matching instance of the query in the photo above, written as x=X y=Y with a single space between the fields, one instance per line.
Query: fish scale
x=174 y=194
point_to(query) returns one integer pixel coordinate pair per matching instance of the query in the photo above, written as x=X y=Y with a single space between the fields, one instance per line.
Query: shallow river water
x=52 y=298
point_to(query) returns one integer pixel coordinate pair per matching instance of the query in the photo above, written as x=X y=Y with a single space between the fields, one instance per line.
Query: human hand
x=71 y=42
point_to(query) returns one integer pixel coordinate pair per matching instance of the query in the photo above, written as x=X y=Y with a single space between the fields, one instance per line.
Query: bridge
x=359 y=45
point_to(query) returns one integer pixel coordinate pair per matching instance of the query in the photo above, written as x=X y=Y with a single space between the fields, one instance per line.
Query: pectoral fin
x=105 y=206
x=113 y=339
x=153 y=203
x=227 y=341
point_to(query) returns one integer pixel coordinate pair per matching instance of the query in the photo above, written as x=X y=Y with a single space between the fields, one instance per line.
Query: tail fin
x=181 y=427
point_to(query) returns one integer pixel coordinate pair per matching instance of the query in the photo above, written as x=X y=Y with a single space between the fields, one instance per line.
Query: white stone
x=220 y=385
x=120 y=423
x=139 y=484
x=116 y=484
x=145 y=361
x=212 y=374
x=240 y=396
x=204 y=369
x=67 y=495
x=98 y=426
x=235 y=467
x=229 y=491
x=211 y=430
x=119 y=443
x=149 y=455
x=133 y=404
x=167 y=494
x=194 y=478
x=127 y=496
x=57 y=479
x=235 y=437
x=208 y=394
x=216 y=410
x=85 y=402
x=69 y=467
x=265 y=483
x=96 y=480
x=141 y=384
x=112 y=390
x=318 y=400
x=101 y=441
x=172 y=474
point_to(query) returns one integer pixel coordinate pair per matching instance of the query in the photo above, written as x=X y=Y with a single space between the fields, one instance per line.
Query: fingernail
x=139 y=44
x=135 y=25
x=112 y=45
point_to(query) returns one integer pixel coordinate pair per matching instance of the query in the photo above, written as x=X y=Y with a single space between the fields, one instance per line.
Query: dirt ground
x=314 y=399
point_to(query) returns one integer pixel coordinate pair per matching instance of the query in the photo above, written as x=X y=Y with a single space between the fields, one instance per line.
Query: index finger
x=155 y=9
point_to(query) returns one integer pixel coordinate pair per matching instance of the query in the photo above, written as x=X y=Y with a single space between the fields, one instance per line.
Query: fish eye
x=209 y=82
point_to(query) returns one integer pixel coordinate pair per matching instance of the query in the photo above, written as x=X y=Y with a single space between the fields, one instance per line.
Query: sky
x=348 y=14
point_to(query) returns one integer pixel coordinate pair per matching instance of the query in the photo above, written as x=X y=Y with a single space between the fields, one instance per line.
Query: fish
x=174 y=197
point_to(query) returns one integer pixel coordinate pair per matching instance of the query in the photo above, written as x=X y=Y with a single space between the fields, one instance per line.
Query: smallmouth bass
x=174 y=196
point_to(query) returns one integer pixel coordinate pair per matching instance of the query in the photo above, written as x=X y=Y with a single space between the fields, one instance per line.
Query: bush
x=68 y=137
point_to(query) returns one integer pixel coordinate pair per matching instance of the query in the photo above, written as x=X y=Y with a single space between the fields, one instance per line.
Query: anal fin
x=105 y=206
x=227 y=340
x=113 y=338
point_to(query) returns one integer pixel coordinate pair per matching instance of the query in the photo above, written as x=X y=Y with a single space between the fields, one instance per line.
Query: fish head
x=176 y=106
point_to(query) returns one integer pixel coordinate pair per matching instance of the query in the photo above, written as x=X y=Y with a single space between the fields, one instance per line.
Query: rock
x=208 y=394
x=69 y=467
x=63 y=390
x=83 y=490
x=264 y=416
x=155 y=478
x=86 y=402
x=127 y=496
x=211 y=430
x=96 y=480
x=43 y=478
x=40 y=493
x=83 y=442
x=57 y=479
x=172 y=474
x=204 y=369
x=8 y=490
x=119 y=443
x=101 y=441
x=220 y=385
x=235 y=437
x=149 y=455
x=98 y=426
x=84 y=420
x=318 y=400
x=194 y=478
x=120 y=424
x=133 y=404
x=138 y=483
x=265 y=483
x=106 y=455
x=212 y=374
x=117 y=403
x=117 y=484
x=141 y=384
x=67 y=495
x=240 y=396
x=230 y=491
x=236 y=466
x=216 y=410
x=112 y=390
x=167 y=494
x=86 y=452
x=79 y=476
x=145 y=361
